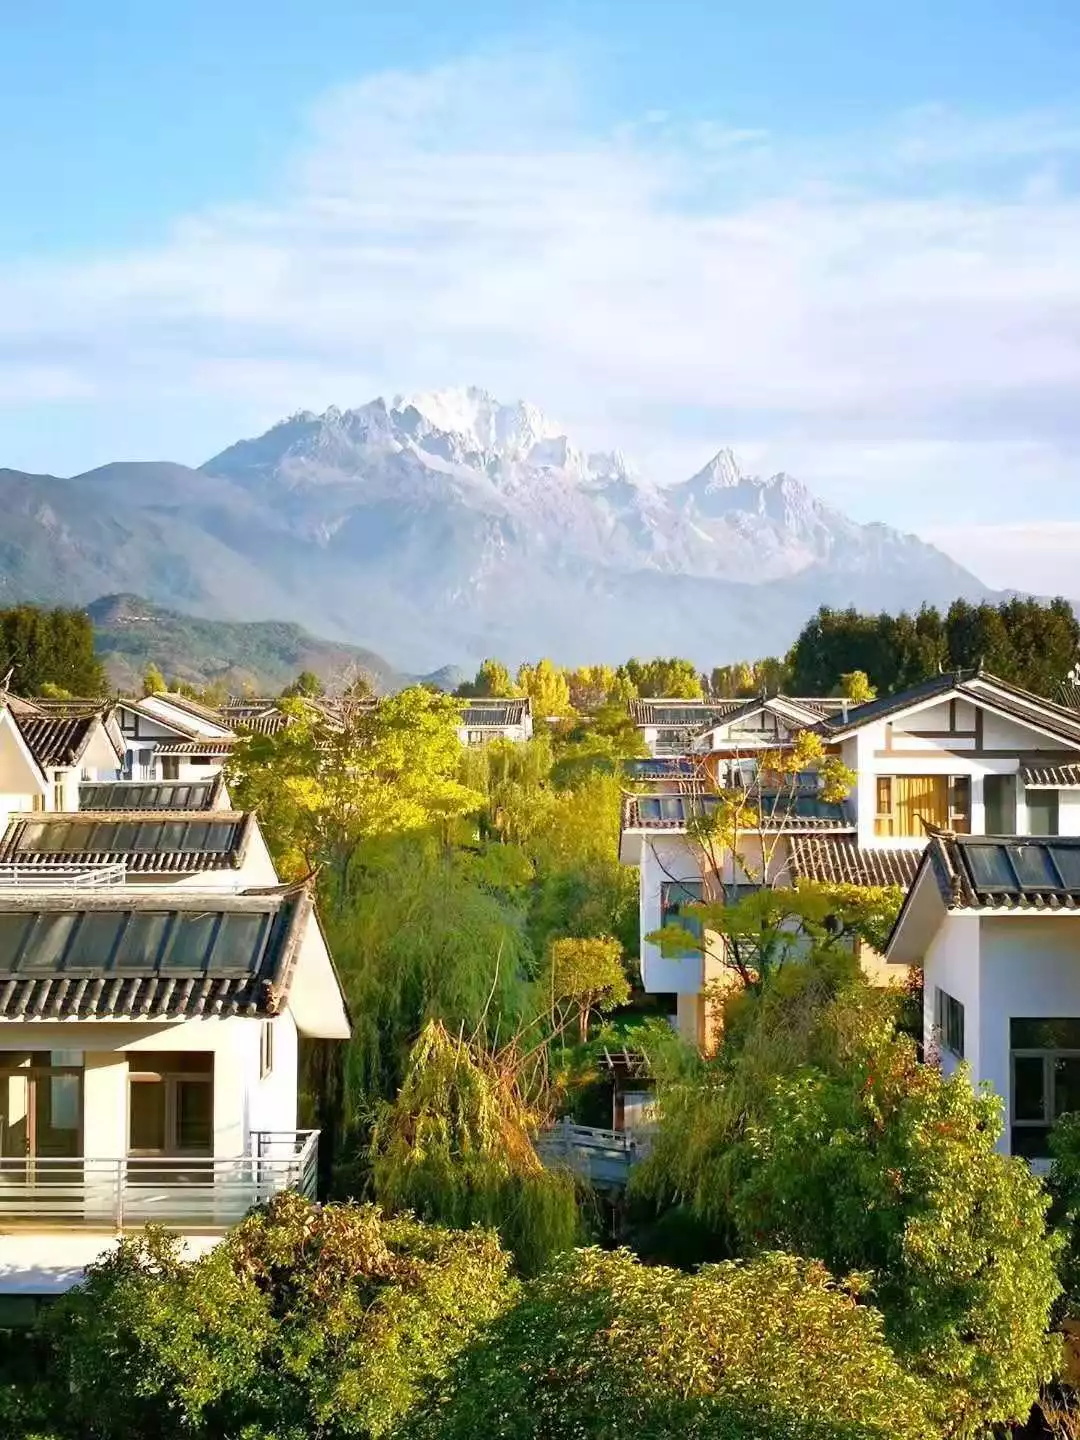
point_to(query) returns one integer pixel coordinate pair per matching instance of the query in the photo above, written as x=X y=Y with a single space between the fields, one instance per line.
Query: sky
x=843 y=239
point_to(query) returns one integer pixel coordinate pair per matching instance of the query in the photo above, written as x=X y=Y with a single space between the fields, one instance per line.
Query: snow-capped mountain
x=445 y=526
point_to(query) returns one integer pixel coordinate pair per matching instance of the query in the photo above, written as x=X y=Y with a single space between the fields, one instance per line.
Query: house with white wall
x=995 y=925
x=962 y=752
x=149 y=1044
x=483 y=720
x=696 y=727
x=208 y=850
x=45 y=757
x=169 y=737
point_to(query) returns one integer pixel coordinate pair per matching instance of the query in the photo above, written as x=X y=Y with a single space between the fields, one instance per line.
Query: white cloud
x=896 y=319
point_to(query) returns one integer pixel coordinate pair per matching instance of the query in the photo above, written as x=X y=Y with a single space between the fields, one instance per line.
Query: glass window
x=1029 y=1088
x=146 y=1120
x=189 y=941
x=674 y=895
x=53 y=838
x=1066 y=1081
x=1045 y=1034
x=172 y=836
x=194 y=1117
x=950 y=1023
x=266 y=1049
x=146 y=837
x=218 y=838
x=46 y=947
x=960 y=804
x=1042 y=808
x=140 y=945
x=999 y=801
x=32 y=837
x=239 y=941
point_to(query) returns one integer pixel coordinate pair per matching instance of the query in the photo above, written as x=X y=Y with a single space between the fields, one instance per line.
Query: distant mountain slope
x=448 y=525
x=265 y=655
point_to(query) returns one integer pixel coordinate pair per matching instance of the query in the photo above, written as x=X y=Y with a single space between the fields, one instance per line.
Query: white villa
x=994 y=924
x=155 y=984
x=965 y=753
x=169 y=737
x=45 y=757
x=483 y=720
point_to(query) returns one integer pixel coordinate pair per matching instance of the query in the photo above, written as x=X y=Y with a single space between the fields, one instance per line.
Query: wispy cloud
x=897 y=316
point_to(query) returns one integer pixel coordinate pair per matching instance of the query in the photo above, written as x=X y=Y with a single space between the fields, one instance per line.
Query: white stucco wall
x=1029 y=968
x=952 y=963
x=242 y=1101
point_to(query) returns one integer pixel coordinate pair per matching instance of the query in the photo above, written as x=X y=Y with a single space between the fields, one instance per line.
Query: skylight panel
x=990 y=867
x=189 y=941
x=1034 y=868
x=13 y=928
x=142 y=941
x=1067 y=860
x=239 y=941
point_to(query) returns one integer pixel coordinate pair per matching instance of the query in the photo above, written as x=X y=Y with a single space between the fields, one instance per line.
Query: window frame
x=949 y=1022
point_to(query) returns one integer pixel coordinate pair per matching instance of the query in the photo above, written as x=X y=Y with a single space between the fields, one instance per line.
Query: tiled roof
x=220 y=747
x=162 y=842
x=674 y=811
x=663 y=767
x=838 y=860
x=169 y=795
x=478 y=714
x=169 y=957
x=1024 y=872
x=695 y=714
x=1051 y=777
x=57 y=740
x=977 y=686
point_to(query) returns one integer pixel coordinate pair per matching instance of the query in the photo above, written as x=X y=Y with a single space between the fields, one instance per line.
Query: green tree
x=669 y=678
x=307 y=683
x=492 y=682
x=547 y=688
x=816 y=1130
x=323 y=786
x=586 y=975
x=306 y=1320
x=591 y=686
x=856 y=687
x=153 y=681
x=602 y=1346
x=49 y=647
x=455 y=1146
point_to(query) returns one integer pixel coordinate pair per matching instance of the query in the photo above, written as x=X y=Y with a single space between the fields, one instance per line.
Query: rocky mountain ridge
x=444 y=526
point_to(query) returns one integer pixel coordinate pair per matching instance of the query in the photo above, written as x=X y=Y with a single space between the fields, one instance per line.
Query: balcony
x=186 y=1193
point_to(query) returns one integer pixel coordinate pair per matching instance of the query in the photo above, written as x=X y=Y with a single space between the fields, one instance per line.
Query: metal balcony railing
x=184 y=1192
x=58 y=875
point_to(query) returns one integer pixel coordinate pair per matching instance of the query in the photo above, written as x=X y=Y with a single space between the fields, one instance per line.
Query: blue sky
x=840 y=237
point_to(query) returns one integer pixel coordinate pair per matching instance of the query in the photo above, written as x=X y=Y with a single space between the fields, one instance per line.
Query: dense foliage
x=602 y=1347
x=49 y=650
x=306 y=1323
x=1023 y=641
x=456 y=1146
x=816 y=1130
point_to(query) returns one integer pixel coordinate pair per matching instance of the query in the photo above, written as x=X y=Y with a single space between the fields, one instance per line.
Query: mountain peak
x=722 y=472
x=487 y=426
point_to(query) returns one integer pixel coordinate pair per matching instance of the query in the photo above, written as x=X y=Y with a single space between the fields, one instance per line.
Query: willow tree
x=456 y=1147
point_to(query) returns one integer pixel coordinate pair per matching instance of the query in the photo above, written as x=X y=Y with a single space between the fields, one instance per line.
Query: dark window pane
x=147 y=1115
x=239 y=942
x=219 y=838
x=146 y=837
x=189 y=942
x=1066 y=1085
x=172 y=836
x=124 y=837
x=990 y=868
x=649 y=809
x=32 y=837
x=140 y=944
x=1033 y=867
x=46 y=946
x=53 y=838
x=999 y=798
x=1030 y=1141
x=674 y=896
x=13 y=928
x=1053 y=1033
x=1029 y=1098
x=195 y=1117
x=1042 y=812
